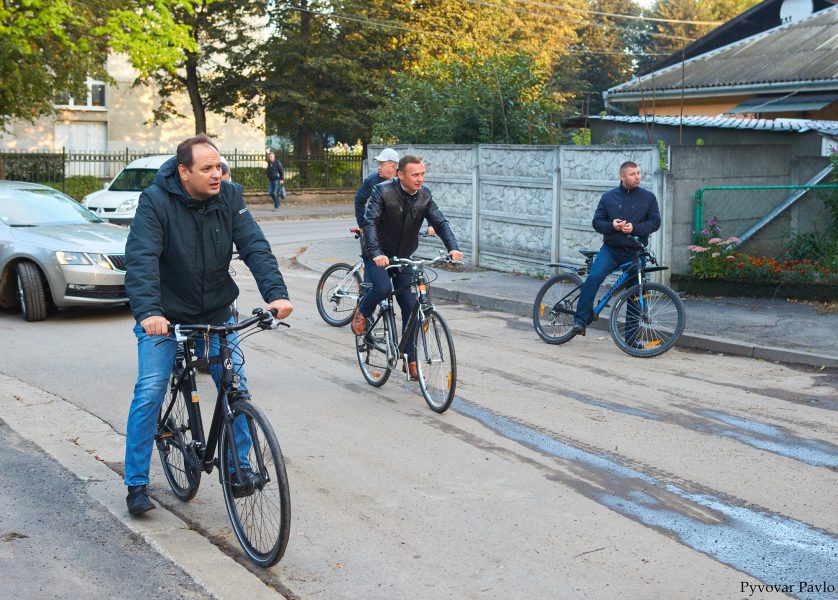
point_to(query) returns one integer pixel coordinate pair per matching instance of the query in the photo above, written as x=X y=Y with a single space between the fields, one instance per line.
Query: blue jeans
x=156 y=357
x=608 y=259
x=382 y=285
x=274 y=191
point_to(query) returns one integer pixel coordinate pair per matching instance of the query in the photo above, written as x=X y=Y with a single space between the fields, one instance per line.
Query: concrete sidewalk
x=776 y=330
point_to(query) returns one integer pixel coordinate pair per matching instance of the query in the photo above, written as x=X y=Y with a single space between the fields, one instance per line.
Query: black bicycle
x=251 y=469
x=646 y=320
x=379 y=348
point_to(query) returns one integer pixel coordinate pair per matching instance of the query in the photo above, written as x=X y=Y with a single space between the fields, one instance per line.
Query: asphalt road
x=558 y=473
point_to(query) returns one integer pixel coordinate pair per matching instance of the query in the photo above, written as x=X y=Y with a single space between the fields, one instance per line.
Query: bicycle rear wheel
x=257 y=497
x=337 y=294
x=436 y=361
x=649 y=330
x=174 y=444
x=554 y=307
x=375 y=349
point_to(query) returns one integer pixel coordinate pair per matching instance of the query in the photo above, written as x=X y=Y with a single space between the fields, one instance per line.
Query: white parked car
x=117 y=203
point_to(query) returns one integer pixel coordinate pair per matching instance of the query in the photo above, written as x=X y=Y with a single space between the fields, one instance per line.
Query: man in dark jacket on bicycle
x=177 y=270
x=394 y=215
x=388 y=165
x=627 y=210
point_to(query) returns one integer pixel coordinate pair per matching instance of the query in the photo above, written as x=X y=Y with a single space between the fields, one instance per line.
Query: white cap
x=387 y=154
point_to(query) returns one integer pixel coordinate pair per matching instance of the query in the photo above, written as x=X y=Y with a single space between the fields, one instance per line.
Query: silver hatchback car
x=55 y=252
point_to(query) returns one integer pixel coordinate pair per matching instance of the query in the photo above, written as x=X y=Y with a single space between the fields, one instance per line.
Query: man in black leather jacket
x=394 y=216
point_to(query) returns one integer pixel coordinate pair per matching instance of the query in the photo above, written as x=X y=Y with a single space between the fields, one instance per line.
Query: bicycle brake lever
x=179 y=337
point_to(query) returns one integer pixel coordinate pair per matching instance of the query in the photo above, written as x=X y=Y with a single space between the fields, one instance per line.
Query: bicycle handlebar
x=396 y=262
x=264 y=319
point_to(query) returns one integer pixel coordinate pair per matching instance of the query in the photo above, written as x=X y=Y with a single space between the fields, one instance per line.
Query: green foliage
x=77 y=186
x=52 y=46
x=31 y=167
x=664 y=155
x=503 y=98
x=581 y=136
x=699 y=142
x=818 y=247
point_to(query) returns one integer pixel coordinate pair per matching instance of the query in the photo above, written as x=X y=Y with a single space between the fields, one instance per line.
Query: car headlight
x=71 y=258
x=100 y=260
x=128 y=205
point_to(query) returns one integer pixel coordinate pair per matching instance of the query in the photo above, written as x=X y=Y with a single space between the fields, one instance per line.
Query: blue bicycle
x=646 y=319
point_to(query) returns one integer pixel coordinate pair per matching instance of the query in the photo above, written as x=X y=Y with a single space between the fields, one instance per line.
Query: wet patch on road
x=776 y=393
x=773 y=439
x=767 y=546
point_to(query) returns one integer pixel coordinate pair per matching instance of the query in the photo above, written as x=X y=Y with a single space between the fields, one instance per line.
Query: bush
x=32 y=167
x=77 y=186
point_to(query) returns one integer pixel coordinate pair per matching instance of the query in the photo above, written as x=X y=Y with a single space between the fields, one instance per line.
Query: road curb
x=84 y=444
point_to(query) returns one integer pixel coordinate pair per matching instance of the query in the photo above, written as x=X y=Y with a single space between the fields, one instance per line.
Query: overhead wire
x=388 y=25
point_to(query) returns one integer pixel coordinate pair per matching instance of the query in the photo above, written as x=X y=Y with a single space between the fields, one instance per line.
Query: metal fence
x=79 y=173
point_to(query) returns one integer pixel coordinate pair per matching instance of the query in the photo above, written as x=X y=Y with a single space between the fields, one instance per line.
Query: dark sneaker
x=249 y=483
x=635 y=344
x=138 y=500
x=579 y=329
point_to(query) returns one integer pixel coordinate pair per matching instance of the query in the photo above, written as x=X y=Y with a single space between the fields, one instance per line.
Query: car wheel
x=30 y=292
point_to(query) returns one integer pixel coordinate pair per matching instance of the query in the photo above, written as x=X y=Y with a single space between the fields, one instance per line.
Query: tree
x=323 y=70
x=504 y=98
x=52 y=46
x=219 y=31
x=607 y=52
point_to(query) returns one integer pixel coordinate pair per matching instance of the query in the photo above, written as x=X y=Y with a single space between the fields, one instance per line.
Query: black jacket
x=179 y=249
x=394 y=218
x=275 y=171
x=638 y=206
x=362 y=195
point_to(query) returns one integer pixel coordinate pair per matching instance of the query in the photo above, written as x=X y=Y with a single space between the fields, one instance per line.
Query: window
x=96 y=97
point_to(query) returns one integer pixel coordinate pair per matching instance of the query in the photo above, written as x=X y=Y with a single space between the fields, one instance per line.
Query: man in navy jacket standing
x=627 y=210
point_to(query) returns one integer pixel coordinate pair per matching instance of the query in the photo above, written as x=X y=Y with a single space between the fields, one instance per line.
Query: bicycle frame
x=205 y=447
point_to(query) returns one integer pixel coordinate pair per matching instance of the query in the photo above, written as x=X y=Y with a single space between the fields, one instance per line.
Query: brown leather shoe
x=413 y=371
x=359 y=323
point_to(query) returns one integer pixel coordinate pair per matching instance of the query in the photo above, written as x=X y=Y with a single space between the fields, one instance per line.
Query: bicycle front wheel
x=337 y=294
x=174 y=444
x=257 y=495
x=554 y=307
x=375 y=349
x=436 y=361
x=651 y=327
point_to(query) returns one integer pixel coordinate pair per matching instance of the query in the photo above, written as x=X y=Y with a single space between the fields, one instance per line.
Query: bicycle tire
x=436 y=361
x=552 y=311
x=657 y=330
x=261 y=520
x=373 y=349
x=337 y=294
x=174 y=439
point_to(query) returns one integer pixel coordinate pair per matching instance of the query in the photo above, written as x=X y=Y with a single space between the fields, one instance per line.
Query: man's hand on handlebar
x=283 y=308
x=381 y=261
x=456 y=255
x=156 y=325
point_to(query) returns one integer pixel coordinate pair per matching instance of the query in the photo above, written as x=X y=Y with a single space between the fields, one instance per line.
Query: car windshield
x=133 y=180
x=30 y=207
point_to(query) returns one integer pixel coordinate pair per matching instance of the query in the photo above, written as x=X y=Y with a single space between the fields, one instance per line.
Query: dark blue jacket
x=362 y=195
x=394 y=218
x=179 y=249
x=275 y=170
x=638 y=206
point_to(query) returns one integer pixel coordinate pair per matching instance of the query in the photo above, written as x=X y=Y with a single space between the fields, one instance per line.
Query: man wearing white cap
x=388 y=163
